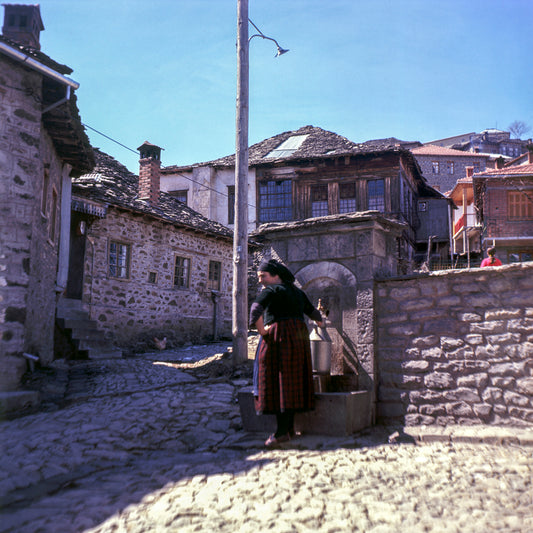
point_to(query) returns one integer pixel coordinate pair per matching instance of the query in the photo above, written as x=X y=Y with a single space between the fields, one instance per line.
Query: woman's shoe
x=274 y=442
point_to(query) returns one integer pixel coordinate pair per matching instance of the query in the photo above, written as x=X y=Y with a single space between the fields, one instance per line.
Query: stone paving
x=154 y=443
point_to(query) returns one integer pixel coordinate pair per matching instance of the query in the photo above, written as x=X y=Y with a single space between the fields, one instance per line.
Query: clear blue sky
x=165 y=70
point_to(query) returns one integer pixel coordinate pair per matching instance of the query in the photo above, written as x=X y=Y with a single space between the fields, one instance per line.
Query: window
x=450 y=167
x=215 y=271
x=231 y=204
x=275 y=201
x=181 y=196
x=435 y=167
x=44 y=197
x=376 y=195
x=182 y=269
x=347 y=200
x=119 y=260
x=319 y=200
x=520 y=257
x=288 y=146
x=422 y=206
x=520 y=205
x=53 y=217
x=152 y=277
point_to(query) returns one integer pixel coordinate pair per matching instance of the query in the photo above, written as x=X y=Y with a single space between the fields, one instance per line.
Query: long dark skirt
x=285 y=376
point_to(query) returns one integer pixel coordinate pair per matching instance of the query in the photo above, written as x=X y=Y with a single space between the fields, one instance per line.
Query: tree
x=518 y=128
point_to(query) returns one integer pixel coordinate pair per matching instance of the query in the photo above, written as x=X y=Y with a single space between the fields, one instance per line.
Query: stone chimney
x=23 y=24
x=530 y=157
x=149 y=172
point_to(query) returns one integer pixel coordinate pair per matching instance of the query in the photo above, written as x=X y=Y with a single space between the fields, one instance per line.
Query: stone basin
x=337 y=413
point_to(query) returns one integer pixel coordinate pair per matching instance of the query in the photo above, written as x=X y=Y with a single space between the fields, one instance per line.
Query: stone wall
x=456 y=347
x=28 y=250
x=445 y=181
x=134 y=310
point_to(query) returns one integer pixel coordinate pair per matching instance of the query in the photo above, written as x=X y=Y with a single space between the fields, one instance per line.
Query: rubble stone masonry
x=29 y=226
x=139 y=308
x=456 y=347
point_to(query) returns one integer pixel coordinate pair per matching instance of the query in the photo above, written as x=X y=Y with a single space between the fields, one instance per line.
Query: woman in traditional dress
x=283 y=378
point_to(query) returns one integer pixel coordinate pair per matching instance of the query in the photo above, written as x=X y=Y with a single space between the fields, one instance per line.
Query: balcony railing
x=468 y=220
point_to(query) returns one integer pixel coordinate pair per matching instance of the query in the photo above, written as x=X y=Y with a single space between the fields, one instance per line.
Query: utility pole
x=240 y=235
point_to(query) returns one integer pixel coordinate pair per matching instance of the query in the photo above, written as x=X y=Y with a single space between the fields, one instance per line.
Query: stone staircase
x=86 y=339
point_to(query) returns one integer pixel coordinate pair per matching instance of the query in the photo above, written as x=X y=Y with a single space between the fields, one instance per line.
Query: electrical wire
x=163 y=167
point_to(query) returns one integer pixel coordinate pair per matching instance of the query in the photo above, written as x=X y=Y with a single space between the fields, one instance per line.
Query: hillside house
x=42 y=144
x=442 y=166
x=489 y=141
x=310 y=173
x=143 y=263
x=504 y=200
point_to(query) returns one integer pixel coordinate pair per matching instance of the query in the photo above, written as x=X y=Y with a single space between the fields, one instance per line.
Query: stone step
x=87 y=338
x=78 y=323
x=74 y=314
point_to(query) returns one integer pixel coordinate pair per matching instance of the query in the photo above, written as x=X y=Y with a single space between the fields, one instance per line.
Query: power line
x=111 y=139
x=177 y=173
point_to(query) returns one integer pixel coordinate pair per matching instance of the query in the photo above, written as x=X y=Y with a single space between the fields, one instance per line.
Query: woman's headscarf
x=277 y=269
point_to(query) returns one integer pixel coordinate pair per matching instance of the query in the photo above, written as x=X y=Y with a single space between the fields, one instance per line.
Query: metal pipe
x=66 y=98
x=35 y=65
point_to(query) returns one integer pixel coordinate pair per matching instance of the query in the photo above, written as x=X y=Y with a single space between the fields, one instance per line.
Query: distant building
x=442 y=166
x=504 y=201
x=489 y=141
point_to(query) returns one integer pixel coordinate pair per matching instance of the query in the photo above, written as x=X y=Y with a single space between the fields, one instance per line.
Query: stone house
x=442 y=166
x=144 y=264
x=310 y=173
x=489 y=141
x=42 y=144
x=504 y=201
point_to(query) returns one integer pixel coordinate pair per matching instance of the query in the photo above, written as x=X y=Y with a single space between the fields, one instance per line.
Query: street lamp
x=240 y=235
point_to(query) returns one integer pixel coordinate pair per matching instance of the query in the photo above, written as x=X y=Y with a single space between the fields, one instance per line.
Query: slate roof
x=344 y=218
x=38 y=56
x=113 y=184
x=320 y=143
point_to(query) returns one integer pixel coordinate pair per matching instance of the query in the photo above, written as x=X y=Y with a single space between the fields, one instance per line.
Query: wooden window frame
x=231 y=204
x=319 y=200
x=450 y=166
x=180 y=193
x=214 y=276
x=349 y=201
x=182 y=272
x=124 y=273
x=44 y=195
x=275 y=206
x=380 y=204
x=52 y=222
x=519 y=205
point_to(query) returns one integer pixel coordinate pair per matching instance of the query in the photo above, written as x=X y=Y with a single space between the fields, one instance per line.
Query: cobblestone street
x=155 y=443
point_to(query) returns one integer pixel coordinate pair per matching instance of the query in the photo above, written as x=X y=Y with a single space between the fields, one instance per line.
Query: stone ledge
x=17 y=401
x=501 y=435
x=335 y=414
